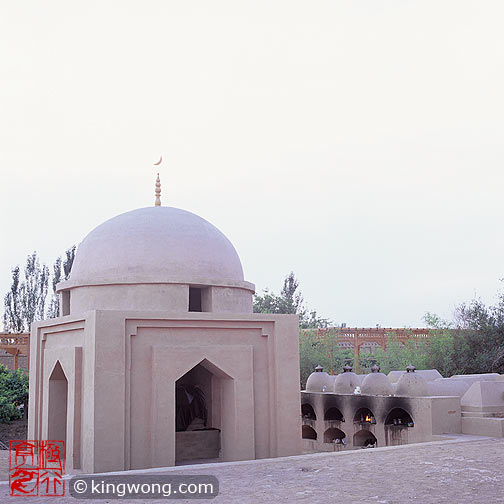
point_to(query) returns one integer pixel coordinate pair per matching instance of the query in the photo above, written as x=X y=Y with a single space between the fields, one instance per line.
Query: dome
x=319 y=381
x=376 y=383
x=411 y=384
x=156 y=244
x=346 y=382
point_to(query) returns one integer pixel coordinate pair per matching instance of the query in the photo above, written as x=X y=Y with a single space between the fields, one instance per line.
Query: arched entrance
x=57 y=404
x=199 y=398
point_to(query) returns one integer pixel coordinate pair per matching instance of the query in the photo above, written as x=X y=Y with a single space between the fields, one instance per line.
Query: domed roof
x=411 y=384
x=319 y=381
x=346 y=382
x=376 y=383
x=157 y=244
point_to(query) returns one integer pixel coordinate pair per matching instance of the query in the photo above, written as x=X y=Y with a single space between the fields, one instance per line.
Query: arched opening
x=364 y=439
x=199 y=396
x=307 y=412
x=334 y=435
x=308 y=432
x=57 y=404
x=364 y=416
x=333 y=414
x=397 y=424
x=399 y=417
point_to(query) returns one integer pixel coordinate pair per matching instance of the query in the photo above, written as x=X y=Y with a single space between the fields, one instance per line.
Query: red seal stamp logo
x=36 y=468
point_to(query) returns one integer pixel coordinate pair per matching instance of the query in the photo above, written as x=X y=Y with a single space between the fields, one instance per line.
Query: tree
x=13 y=315
x=399 y=355
x=59 y=264
x=54 y=306
x=13 y=394
x=26 y=300
x=68 y=263
x=34 y=290
x=480 y=336
x=325 y=351
x=290 y=300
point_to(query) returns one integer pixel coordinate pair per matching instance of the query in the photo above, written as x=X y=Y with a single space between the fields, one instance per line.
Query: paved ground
x=463 y=470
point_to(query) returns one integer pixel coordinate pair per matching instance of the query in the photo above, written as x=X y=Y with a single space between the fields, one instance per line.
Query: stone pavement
x=465 y=469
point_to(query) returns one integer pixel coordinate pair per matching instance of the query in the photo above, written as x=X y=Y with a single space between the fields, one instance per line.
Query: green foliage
x=13 y=393
x=316 y=349
x=8 y=411
x=398 y=355
x=290 y=300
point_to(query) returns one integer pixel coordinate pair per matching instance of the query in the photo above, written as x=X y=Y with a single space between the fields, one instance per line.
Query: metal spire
x=158 y=192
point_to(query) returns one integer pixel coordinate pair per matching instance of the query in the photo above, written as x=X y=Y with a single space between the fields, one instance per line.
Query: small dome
x=156 y=244
x=411 y=384
x=320 y=381
x=376 y=383
x=346 y=382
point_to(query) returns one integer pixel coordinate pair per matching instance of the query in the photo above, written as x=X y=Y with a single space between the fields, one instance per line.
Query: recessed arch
x=364 y=416
x=204 y=402
x=364 y=439
x=333 y=414
x=307 y=412
x=400 y=417
x=57 y=404
x=334 y=435
x=309 y=432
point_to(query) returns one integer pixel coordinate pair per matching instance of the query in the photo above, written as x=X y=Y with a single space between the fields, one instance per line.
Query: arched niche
x=308 y=432
x=333 y=415
x=364 y=416
x=57 y=404
x=334 y=435
x=399 y=417
x=307 y=412
x=364 y=439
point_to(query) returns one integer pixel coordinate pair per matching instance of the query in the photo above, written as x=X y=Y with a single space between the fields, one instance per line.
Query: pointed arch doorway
x=203 y=396
x=57 y=404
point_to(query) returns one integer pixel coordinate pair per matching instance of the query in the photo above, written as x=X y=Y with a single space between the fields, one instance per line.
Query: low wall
x=394 y=420
x=197 y=444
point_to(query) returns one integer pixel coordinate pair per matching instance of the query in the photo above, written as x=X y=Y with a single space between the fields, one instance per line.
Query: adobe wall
x=121 y=369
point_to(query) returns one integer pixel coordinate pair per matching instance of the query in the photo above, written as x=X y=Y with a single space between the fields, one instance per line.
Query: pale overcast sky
x=357 y=143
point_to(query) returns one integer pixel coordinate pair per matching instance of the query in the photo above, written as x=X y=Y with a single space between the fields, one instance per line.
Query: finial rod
x=158 y=191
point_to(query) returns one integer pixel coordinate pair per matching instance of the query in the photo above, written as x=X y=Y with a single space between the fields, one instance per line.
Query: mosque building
x=157 y=357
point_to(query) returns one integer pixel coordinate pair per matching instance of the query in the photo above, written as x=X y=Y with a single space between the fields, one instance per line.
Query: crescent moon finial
x=157 y=192
x=159 y=162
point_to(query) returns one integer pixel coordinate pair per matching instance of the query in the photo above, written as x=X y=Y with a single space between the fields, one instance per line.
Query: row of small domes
x=374 y=383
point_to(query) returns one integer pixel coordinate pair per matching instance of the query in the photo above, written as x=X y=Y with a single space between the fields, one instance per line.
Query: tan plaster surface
x=462 y=470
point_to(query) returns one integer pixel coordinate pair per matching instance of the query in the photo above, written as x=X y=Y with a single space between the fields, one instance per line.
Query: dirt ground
x=15 y=430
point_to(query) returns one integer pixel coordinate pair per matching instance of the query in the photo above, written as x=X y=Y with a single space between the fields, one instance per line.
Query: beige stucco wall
x=171 y=297
x=122 y=367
